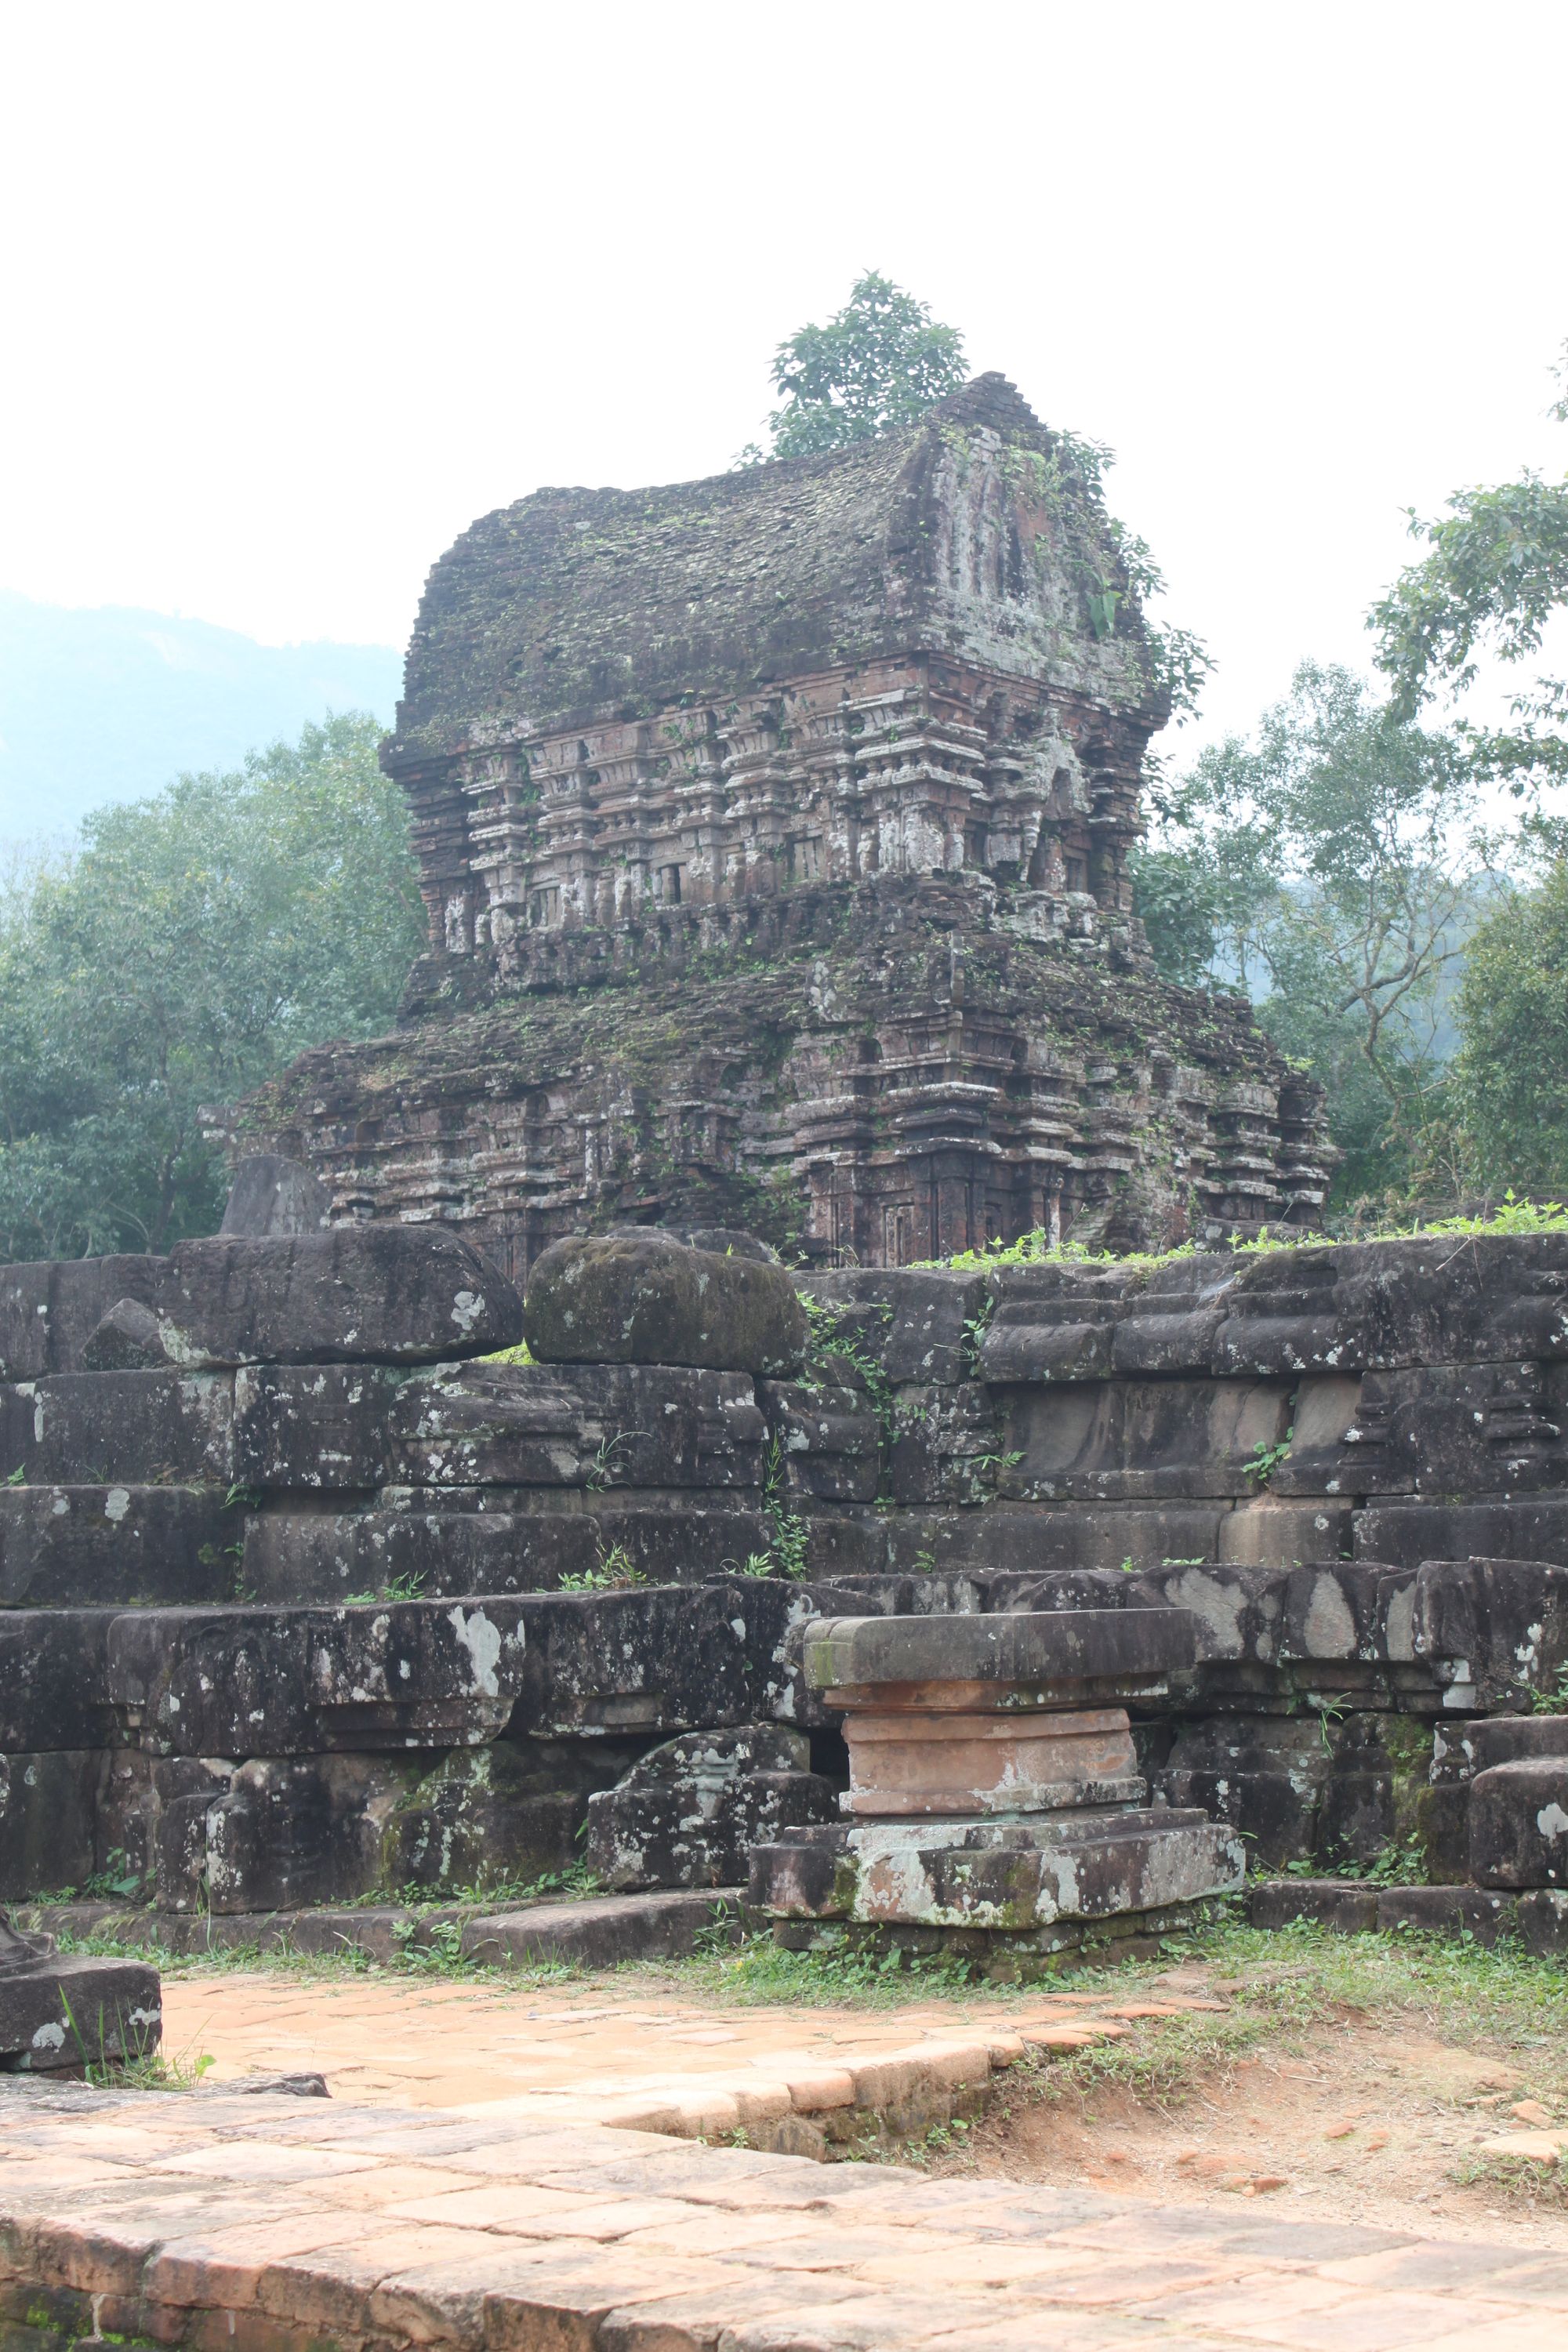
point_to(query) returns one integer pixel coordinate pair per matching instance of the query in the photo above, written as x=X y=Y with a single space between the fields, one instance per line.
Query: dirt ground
x=1374 y=2117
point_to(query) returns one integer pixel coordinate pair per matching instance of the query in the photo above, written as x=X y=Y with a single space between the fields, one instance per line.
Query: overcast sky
x=292 y=292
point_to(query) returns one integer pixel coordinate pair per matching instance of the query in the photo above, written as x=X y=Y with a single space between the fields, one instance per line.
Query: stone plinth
x=992 y=1792
x=928 y=1762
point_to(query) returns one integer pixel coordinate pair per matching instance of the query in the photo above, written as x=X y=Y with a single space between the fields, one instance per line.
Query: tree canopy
x=1511 y=1075
x=195 y=943
x=879 y=361
x=1332 y=868
x=1494 y=576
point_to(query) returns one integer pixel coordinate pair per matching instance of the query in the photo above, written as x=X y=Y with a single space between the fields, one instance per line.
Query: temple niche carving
x=774 y=834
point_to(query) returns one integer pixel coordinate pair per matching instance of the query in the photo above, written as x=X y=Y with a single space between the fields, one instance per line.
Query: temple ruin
x=774 y=831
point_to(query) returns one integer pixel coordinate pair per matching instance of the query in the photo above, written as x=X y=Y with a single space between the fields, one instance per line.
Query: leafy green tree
x=1494 y=576
x=1328 y=868
x=196 y=942
x=879 y=362
x=1510 y=1091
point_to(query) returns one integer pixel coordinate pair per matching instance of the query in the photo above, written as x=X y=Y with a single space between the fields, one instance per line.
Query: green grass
x=1282 y=1985
x=1517 y=2180
x=1036 y=1248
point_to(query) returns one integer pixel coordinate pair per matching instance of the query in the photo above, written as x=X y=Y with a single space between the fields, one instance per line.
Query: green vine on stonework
x=832 y=1346
x=786 y=1553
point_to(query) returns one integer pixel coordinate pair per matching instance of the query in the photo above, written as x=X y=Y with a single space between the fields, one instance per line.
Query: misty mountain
x=110 y=704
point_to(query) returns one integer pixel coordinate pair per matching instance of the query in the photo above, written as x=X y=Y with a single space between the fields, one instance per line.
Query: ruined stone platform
x=271 y=2221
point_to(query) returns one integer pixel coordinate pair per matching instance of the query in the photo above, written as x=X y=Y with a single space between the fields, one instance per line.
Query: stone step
x=1351 y=1907
x=117 y=1546
x=306 y=1682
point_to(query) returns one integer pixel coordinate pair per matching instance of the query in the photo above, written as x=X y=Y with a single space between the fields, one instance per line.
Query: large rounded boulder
x=641 y=1298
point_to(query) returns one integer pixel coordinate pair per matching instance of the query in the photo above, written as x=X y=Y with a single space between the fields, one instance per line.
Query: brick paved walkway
x=597 y=2052
x=261 y=2221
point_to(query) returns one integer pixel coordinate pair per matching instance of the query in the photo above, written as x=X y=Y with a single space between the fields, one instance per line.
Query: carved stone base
x=1089 y=1863
x=999 y=1954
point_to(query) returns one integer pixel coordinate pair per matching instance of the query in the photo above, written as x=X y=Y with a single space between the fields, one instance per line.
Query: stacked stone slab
x=994 y=1804
x=317 y=1585
x=268 y=1452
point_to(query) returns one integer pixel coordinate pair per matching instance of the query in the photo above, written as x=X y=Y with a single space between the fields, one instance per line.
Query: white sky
x=292 y=292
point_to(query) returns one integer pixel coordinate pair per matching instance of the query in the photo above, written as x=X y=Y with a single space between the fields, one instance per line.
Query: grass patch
x=1036 y=1248
x=1520 y=2182
x=438 y=1958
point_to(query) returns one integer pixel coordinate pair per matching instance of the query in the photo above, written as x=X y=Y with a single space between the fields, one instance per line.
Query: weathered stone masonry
x=292 y=1585
x=774 y=833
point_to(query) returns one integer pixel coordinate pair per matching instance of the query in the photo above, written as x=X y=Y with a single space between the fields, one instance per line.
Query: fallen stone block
x=687 y=1813
x=59 y=2011
x=1519 y=1823
x=285 y=1682
x=643 y=1300
x=116 y=1546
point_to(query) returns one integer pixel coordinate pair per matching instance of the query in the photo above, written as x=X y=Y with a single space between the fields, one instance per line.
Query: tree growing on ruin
x=195 y=943
x=879 y=361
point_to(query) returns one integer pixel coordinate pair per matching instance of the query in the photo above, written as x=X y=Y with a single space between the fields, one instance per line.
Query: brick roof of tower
x=972 y=532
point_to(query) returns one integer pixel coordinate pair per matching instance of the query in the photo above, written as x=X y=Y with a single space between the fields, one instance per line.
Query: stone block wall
x=309 y=1587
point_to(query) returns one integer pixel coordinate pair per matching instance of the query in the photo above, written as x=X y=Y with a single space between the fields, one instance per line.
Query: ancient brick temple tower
x=774 y=831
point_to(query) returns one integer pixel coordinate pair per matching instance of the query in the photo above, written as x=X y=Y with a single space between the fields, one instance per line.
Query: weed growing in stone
x=1554 y=1701
x=616 y=1571
x=1264 y=1460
